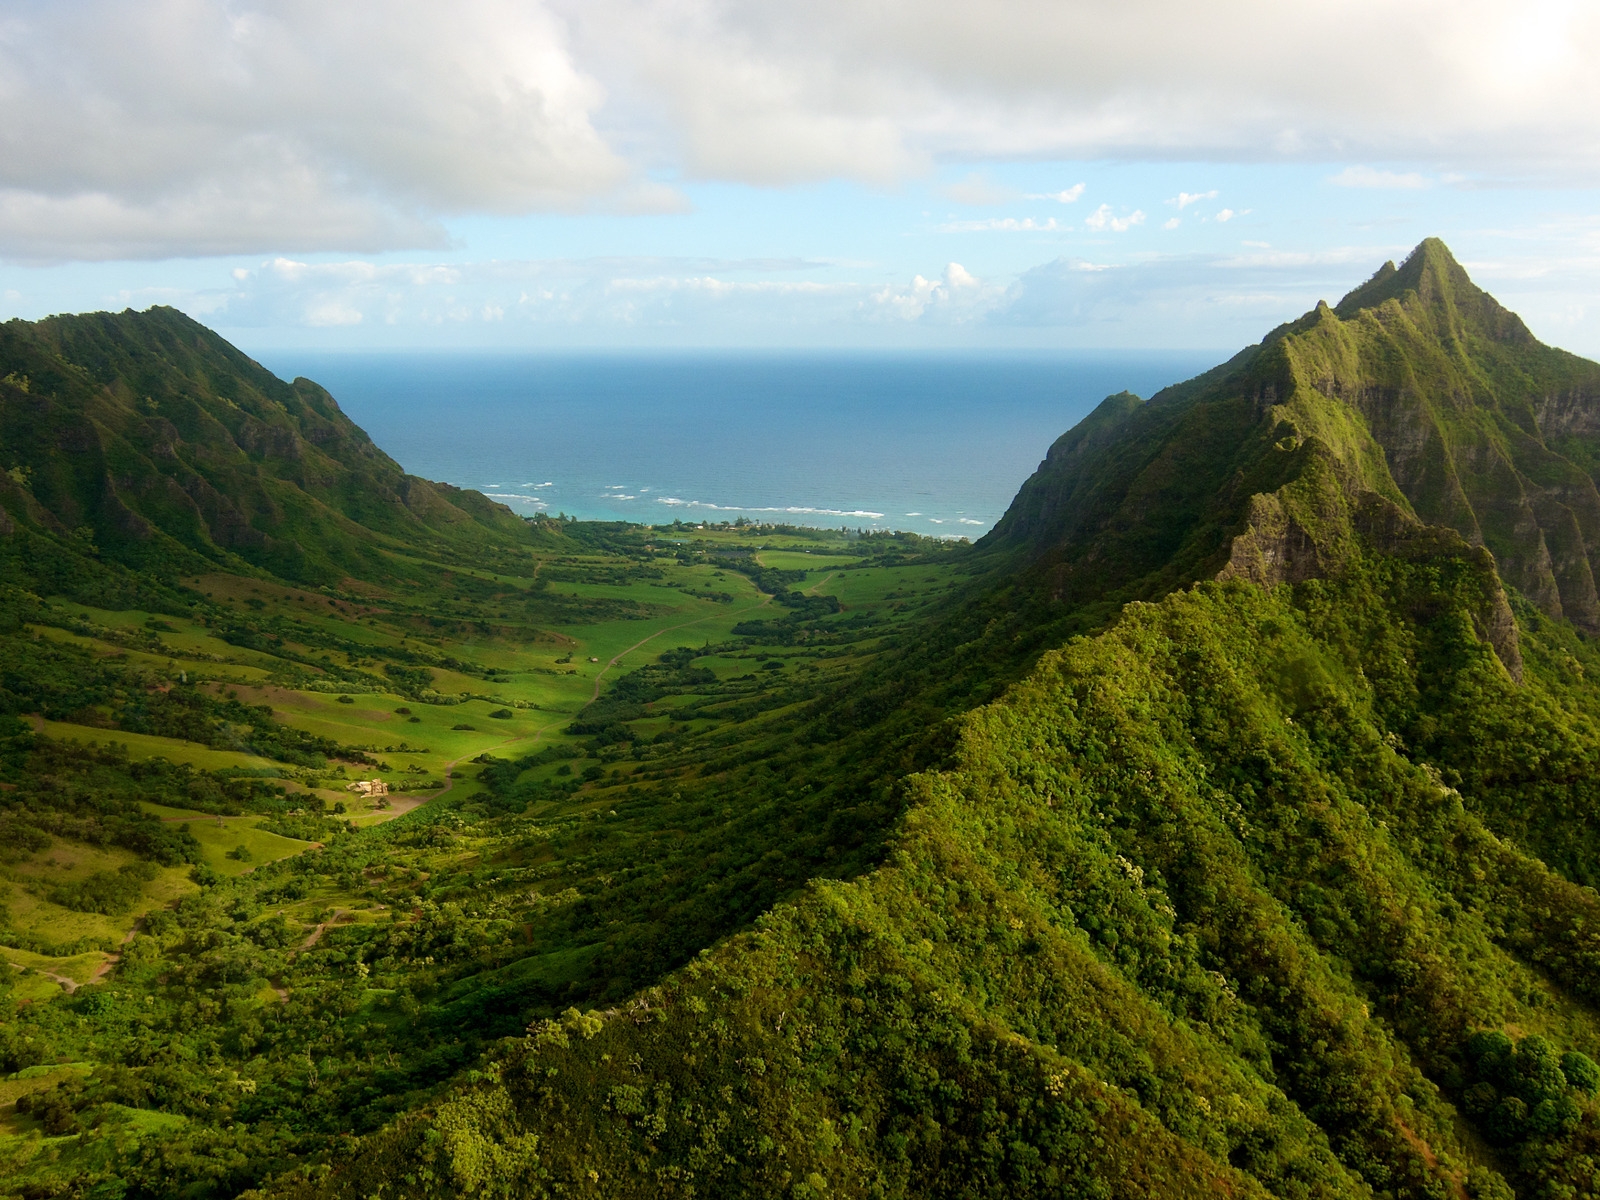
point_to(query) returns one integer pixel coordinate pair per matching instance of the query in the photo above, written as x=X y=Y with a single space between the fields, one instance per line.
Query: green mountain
x=145 y=440
x=1417 y=389
x=1281 y=883
x=1227 y=822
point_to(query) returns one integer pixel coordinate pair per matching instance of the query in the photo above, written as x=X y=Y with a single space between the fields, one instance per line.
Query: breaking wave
x=797 y=510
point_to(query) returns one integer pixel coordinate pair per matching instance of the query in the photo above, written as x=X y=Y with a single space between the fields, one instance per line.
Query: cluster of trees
x=1526 y=1089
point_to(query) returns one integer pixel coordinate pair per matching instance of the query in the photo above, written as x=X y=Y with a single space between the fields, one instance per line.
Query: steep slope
x=1190 y=914
x=1417 y=388
x=146 y=440
x=1280 y=885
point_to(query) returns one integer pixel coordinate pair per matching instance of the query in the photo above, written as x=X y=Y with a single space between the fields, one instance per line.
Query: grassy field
x=499 y=684
x=224 y=841
x=543 y=676
x=144 y=745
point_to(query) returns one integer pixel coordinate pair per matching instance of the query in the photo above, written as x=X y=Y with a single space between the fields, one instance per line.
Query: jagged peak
x=1441 y=284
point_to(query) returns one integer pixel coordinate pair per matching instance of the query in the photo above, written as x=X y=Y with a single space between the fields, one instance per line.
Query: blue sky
x=701 y=173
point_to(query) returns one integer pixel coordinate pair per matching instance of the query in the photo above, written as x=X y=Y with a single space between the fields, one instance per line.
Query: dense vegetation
x=880 y=867
x=1223 y=898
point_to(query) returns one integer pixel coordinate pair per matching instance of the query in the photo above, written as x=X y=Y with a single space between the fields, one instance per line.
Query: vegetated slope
x=147 y=440
x=1418 y=384
x=1280 y=885
x=1195 y=911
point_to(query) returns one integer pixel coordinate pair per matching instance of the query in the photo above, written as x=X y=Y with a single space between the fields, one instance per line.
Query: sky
x=897 y=174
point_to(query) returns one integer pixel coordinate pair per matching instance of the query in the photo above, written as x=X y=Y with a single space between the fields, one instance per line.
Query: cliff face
x=1484 y=429
x=1418 y=388
x=150 y=438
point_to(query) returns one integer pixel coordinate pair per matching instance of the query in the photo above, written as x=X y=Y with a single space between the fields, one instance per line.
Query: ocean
x=933 y=443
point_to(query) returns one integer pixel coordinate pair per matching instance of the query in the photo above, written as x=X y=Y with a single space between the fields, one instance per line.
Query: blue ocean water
x=935 y=443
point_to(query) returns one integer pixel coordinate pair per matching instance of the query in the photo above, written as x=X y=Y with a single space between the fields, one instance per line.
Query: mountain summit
x=1418 y=400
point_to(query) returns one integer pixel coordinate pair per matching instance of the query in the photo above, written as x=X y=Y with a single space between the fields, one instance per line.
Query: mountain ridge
x=152 y=441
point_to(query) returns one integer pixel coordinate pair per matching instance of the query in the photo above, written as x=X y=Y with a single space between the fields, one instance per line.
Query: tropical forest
x=1224 y=822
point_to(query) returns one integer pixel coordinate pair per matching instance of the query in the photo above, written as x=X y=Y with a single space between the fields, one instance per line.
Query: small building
x=368 y=787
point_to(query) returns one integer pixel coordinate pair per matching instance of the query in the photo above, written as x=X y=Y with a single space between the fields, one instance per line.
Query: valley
x=440 y=856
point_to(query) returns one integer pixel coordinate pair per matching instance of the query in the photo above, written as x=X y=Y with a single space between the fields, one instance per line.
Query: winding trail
x=67 y=985
x=316 y=934
x=111 y=960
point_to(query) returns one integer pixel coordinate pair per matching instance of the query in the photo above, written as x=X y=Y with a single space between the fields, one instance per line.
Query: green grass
x=144 y=745
x=220 y=835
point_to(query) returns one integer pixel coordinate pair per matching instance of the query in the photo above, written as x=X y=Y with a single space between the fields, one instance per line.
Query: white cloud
x=1103 y=218
x=600 y=294
x=1184 y=199
x=1369 y=177
x=1171 y=223
x=184 y=127
x=200 y=127
x=872 y=88
x=956 y=297
x=1069 y=196
x=1214 y=301
x=1226 y=214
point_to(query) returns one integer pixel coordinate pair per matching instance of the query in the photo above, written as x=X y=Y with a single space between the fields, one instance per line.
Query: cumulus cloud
x=178 y=127
x=1103 y=218
x=958 y=296
x=203 y=127
x=1184 y=199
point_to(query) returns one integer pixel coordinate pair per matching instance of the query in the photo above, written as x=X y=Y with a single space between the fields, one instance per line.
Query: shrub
x=1581 y=1072
x=106 y=892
